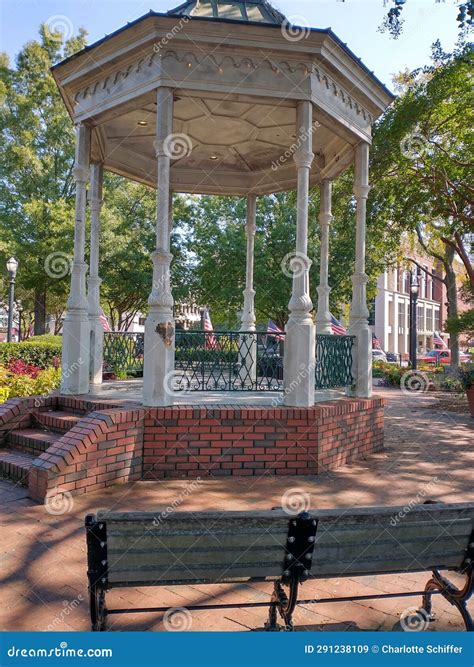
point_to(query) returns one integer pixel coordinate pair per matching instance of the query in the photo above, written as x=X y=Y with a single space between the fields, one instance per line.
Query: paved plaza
x=428 y=455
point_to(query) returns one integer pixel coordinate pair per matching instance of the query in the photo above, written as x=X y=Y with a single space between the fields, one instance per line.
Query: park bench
x=134 y=549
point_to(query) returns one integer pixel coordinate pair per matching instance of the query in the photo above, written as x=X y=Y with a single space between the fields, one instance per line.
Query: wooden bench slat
x=204 y=574
x=351 y=534
x=197 y=543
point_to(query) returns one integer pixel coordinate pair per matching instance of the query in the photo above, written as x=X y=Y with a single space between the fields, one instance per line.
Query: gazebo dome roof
x=251 y=11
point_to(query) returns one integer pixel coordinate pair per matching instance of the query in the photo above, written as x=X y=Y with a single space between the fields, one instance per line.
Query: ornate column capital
x=81 y=173
x=361 y=191
x=303 y=159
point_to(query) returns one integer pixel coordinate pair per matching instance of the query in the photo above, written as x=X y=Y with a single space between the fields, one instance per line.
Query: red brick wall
x=223 y=441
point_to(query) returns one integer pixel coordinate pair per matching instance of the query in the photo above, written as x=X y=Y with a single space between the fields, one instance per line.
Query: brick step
x=15 y=466
x=32 y=441
x=60 y=421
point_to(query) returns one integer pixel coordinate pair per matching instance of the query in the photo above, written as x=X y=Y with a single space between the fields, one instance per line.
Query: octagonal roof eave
x=325 y=31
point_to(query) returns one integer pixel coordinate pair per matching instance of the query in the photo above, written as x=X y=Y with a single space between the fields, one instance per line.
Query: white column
x=158 y=366
x=299 y=357
x=248 y=344
x=323 y=315
x=93 y=281
x=76 y=328
x=359 y=313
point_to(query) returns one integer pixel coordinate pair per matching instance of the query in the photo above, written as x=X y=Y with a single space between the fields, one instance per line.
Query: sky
x=354 y=21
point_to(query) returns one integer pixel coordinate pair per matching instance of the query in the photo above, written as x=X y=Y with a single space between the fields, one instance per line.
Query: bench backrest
x=145 y=548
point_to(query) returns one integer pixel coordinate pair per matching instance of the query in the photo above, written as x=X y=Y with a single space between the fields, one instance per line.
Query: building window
x=420 y=319
x=401 y=316
x=141 y=321
x=372 y=313
x=3 y=319
x=437 y=320
x=429 y=319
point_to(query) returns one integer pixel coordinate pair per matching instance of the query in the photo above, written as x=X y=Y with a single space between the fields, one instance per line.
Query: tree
x=393 y=22
x=36 y=159
x=422 y=157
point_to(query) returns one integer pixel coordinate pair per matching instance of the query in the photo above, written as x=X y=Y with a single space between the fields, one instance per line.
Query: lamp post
x=12 y=266
x=414 y=288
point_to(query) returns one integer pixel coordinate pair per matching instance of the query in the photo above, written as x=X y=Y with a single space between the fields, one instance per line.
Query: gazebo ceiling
x=237 y=77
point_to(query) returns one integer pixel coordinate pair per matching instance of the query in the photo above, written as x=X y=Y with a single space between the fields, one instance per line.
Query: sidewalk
x=43 y=583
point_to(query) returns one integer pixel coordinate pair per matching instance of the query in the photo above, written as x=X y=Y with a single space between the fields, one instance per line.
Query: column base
x=158 y=362
x=362 y=361
x=96 y=351
x=299 y=364
x=75 y=354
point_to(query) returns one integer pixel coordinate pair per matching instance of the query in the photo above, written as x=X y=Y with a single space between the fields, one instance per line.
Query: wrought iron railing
x=123 y=353
x=333 y=361
x=232 y=361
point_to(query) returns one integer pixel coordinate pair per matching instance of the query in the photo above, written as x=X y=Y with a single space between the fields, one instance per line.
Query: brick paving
x=43 y=586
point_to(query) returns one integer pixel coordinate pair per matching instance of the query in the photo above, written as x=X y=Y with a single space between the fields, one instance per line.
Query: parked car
x=392 y=357
x=379 y=355
x=442 y=357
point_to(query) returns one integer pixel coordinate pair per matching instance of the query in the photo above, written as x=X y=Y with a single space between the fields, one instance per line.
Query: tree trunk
x=452 y=294
x=40 y=312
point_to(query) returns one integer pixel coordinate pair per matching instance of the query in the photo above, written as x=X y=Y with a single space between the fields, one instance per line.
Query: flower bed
x=21 y=379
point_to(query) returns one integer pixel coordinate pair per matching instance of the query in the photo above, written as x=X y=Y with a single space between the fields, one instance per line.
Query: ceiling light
x=213 y=157
x=142 y=123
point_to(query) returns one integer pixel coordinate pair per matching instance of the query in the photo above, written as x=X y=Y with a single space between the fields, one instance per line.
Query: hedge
x=41 y=351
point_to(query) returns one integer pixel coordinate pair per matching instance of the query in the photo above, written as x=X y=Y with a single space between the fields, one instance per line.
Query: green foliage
x=464 y=324
x=41 y=354
x=466 y=375
x=24 y=385
x=393 y=21
x=36 y=159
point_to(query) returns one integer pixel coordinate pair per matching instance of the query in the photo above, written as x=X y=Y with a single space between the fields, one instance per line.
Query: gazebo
x=218 y=97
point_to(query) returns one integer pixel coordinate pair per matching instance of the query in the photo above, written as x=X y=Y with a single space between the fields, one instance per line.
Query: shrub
x=20 y=367
x=35 y=351
x=25 y=385
x=466 y=376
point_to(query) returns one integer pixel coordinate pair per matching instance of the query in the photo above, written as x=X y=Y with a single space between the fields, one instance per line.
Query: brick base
x=113 y=444
x=222 y=441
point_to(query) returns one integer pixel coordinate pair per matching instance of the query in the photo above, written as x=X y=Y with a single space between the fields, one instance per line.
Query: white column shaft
x=248 y=344
x=76 y=328
x=299 y=357
x=94 y=281
x=323 y=316
x=359 y=314
x=158 y=370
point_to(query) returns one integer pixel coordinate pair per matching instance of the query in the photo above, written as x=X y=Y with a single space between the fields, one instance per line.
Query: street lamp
x=414 y=289
x=12 y=266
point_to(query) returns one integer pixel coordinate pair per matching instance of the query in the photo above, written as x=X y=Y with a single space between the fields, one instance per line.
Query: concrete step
x=59 y=421
x=15 y=465
x=32 y=441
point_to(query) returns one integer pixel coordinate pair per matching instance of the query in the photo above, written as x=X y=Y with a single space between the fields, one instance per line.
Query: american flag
x=104 y=321
x=337 y=328
x=438 y=341
x=210 y=342
x=275 y=331
x=376 y=343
